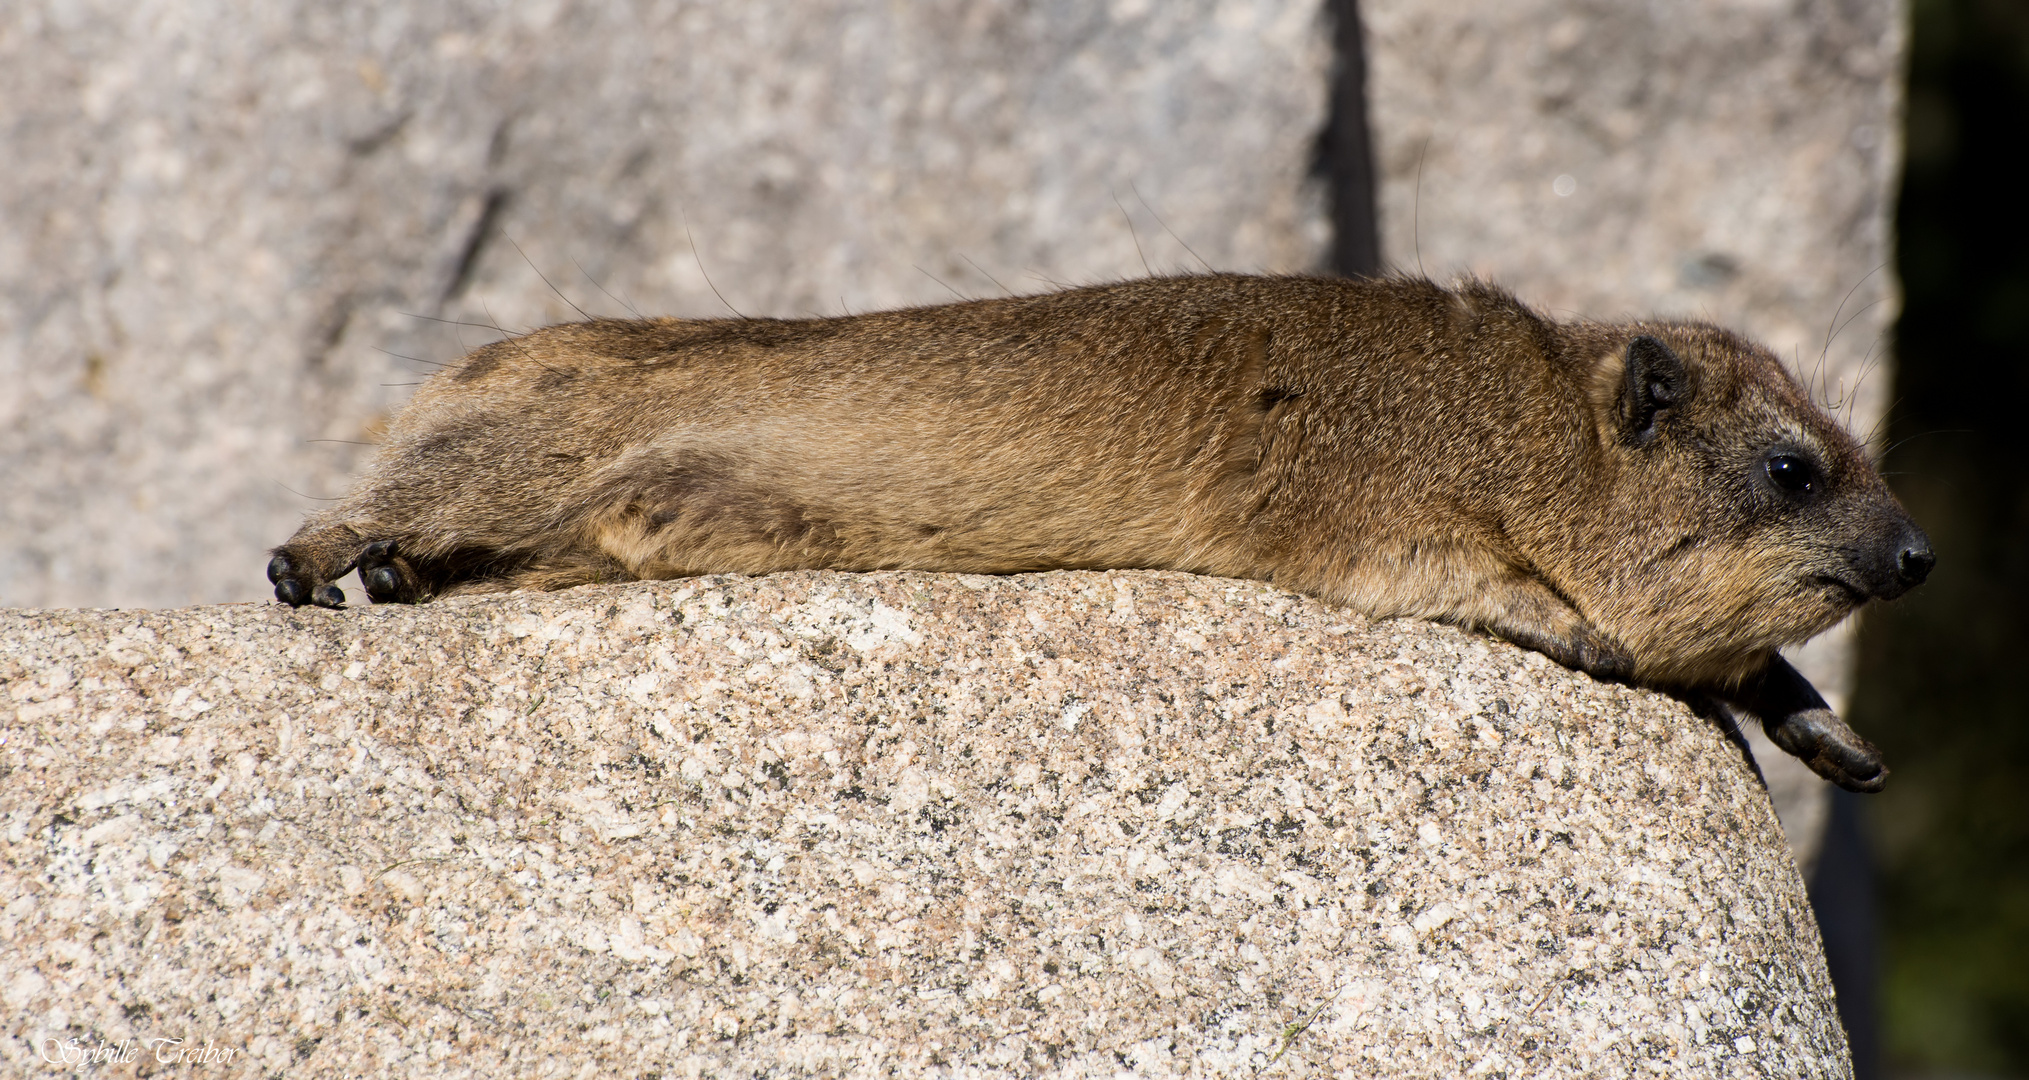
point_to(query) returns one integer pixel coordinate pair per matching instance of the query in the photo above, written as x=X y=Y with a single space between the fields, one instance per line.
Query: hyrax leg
x=1466 y=585
x=1798 y=720
x=1577 y=646
x=1521 y=609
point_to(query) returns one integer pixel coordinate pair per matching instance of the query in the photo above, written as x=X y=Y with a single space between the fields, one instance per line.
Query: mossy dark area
x=1942 y=685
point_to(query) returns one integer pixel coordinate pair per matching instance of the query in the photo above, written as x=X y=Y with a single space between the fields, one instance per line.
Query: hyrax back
x=1655 y=501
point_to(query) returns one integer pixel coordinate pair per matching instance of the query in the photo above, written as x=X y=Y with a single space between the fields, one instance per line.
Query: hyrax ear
x=1654 y=384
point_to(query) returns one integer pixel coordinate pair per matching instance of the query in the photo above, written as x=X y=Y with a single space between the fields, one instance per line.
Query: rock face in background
x=1733 y=162
x=221 y=228
x=1059 y=825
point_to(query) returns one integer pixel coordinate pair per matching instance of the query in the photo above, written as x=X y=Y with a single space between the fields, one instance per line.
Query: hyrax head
x=1753 y=518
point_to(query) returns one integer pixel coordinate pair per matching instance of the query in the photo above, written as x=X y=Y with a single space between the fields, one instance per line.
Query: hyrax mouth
x=1845 y=593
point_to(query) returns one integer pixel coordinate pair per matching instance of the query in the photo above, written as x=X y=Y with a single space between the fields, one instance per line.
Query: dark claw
x=328 y=595
x=379 y=549
x=279 y=568
x=290 y=591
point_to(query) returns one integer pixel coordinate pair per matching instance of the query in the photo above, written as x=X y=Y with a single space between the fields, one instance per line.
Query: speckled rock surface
x=885 y=825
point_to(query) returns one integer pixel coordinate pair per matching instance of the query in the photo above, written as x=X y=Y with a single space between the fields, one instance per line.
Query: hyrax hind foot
x=389 y=578
x=297 y=583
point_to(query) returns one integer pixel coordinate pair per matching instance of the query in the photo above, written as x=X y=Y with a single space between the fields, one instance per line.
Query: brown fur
x=1391 y=446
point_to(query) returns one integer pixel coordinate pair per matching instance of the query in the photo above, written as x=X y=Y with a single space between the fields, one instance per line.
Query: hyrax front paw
x=1797 y=719
x=1581 y=649
x=1821 y=740
x=1600 y=656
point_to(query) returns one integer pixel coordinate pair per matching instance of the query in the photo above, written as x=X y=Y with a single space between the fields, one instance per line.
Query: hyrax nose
x=1901 y=562
x=1914 y=562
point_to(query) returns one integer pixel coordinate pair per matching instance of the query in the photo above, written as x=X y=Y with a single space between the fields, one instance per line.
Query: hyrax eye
x=1792 y=474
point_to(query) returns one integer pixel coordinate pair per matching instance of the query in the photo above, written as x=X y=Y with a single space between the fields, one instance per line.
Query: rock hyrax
x=1652 y=501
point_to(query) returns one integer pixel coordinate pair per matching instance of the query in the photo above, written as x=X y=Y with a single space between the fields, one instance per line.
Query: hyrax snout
x=1658 y=502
